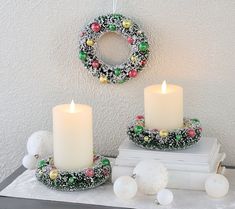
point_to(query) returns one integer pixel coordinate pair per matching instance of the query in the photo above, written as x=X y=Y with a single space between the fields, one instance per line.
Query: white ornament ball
x=165 y=197
x=29 y=162
x=125 y=187
x=151 y=176
x=216 y=185
x=40 y=143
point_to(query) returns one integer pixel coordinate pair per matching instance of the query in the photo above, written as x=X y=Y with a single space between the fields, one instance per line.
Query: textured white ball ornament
x=125 y=187
x=29 y=162
x=165 y=197
x=216 y=185
x=151 y=176
x=40 y=143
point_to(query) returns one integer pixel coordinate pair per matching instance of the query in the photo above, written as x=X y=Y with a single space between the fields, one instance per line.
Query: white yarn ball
x=165 y=197
x=151 y=176
x=40 y=143
x=125 y=187
x=216 y=185
x=29 y=162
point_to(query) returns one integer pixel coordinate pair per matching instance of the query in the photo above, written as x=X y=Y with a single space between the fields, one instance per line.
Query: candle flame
x=164 y=87
x=72 y=106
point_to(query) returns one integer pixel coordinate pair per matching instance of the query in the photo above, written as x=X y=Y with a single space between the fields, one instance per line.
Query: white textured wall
x=192 y=44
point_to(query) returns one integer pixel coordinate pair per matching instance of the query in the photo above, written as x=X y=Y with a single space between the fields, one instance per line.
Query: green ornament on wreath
x=130 y=31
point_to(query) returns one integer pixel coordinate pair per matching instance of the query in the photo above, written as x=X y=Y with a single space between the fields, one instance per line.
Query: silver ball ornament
x=216 y=185
x=29 y=162
x=125 y=187
x=40 y=143
x=151 y=176
x=165 y=197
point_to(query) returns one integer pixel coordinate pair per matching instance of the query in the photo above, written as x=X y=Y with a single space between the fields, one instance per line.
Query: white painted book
x=201 y=153
x=173 y=165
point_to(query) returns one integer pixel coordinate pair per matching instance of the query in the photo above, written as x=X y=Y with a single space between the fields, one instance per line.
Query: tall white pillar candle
x=163 y=106
x=73 y=140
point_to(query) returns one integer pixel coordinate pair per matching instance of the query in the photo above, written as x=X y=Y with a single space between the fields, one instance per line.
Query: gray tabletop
x=22 y=203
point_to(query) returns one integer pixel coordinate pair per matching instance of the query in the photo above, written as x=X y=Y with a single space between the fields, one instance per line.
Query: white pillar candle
x=73 y=140
x=163 y=106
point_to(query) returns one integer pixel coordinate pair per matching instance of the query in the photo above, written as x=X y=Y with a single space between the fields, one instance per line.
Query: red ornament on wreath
x=143 y=62
x=191 y=133
x=95 y=27
x=105 y=171
x=139 y=117
x=133 y=73
x=95 y=64
x=130 y=40
x=89 y=172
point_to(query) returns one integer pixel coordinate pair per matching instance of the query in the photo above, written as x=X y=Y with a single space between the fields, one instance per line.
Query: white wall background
x=192 y=44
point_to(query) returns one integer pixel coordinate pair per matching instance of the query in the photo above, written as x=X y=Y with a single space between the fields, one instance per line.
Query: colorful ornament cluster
x=87 y=178
x=128 y=29
x=180 y=138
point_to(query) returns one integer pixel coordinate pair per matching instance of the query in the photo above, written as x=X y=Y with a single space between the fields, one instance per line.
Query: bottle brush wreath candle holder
x=155 y=139
x=86 y=178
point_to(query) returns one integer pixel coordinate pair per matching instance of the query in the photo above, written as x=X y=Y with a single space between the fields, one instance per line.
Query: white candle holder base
x=87 y=178
x=180 y=138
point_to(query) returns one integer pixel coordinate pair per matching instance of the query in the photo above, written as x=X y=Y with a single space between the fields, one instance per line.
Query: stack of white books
x=187 y=169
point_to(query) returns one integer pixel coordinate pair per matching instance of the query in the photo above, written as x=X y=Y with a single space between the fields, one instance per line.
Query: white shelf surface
x=26 y=186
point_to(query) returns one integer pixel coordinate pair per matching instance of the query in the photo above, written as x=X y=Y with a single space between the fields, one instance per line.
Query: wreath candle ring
x=130 y=31
x=180 y=138
x=87 y=178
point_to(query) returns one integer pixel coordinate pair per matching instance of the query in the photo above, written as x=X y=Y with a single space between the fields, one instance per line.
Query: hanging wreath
x=130 y=31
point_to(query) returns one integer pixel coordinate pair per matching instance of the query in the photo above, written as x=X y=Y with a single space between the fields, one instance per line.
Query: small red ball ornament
x=95 y=27
x=191 y=133
x=139 y=117
x=130 y=40
x=89 y=172
x=105 y=172
x=143 y=62
x=133 y=73
x=95 y=64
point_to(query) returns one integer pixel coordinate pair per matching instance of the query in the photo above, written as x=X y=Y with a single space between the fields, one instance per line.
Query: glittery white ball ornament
x=165 y=197
x=125 y=187
x=151 y=176
x=40 y=143
x=29 y=162
x=216 y=186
